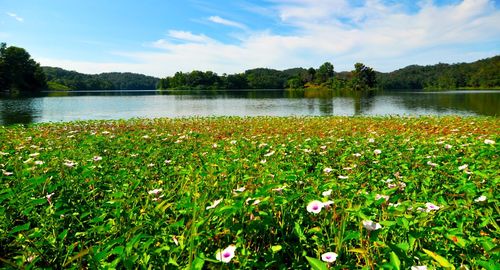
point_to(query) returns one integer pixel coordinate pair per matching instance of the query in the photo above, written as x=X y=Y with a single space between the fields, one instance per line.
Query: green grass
x=102 y=215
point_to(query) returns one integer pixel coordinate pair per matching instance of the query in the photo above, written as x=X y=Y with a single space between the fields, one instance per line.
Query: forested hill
x=61 y=79
x=484 y=73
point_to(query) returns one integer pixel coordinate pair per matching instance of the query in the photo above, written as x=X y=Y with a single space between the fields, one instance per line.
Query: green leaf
x=276 y=248
x=489 y=265
x=395 y=262
x=316 y=264
x=78 y=256
x=441 y=260
x=19 y=228
x=457 y=240
x=197 y=263
x=298 y=231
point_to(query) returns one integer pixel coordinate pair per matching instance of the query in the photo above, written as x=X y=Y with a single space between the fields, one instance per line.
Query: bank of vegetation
x=251 y=193
x=18 y=72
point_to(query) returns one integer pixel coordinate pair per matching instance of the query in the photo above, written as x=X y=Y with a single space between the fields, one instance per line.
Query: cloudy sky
x=160 y=37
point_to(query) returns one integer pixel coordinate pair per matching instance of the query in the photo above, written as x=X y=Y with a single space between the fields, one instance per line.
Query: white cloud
x=187 y=36
x=15 y=16
x=219 y=20
x=380 y=35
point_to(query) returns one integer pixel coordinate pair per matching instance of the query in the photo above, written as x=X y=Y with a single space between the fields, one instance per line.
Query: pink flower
x=227 y=254
x=329 y=257
x=314 y=207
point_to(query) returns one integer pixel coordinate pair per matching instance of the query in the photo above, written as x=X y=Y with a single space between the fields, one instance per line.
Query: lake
x=86 y=105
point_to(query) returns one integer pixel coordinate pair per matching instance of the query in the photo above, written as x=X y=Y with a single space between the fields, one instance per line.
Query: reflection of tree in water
x=362 y=101
x=17 y=110
x=477 y=102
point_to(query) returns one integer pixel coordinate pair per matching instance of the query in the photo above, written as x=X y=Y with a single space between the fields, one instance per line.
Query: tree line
x=361 y=78
x=19 y=72
x=60 y=79
x=484 y=74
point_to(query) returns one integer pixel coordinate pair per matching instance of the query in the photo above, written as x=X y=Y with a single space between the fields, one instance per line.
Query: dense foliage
x=272 y=193
x=264 y=78
x=18 y=71
x=480 y=74
x=259 y=78
x=60 y=79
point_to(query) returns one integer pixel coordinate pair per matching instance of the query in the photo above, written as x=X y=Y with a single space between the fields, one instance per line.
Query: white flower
x=377 y=151
x=329 y=257
x=419 y=267
x=69 y=163
x=487 y=141
x=447 y=146
x=431 y=164
x=327 y=204
x=97 y=158
x=34 y=154
x=280 y=189
x=327 y=193
x=256 y=202
x=38 y=162
x=314 y=207
x=227 y=254
x=6 y=173
x=155 y=191
x=327 y=170
x=343 y=177
x=214 y=204
x=371 y=226
x=379 y=196
x=371 y=140
x=482 y=198
x=394 y=204
x=49 y=196
x=233 y=142
x=241 y=189
x=431 y=207
x=168 y=161
x=357 y=154
x=269 y=154
x=463 y=167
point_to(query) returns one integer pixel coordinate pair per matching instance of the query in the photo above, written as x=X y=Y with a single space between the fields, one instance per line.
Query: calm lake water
x=81 y=105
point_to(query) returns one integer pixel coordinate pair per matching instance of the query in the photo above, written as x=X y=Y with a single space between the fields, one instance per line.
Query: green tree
x=364 y=77
x=325 y=72
x=18 y=72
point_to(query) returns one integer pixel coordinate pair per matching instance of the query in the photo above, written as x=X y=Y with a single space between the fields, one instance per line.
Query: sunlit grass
x=251 y=193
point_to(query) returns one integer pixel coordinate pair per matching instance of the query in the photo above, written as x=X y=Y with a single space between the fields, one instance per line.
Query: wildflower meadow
x=252 y=193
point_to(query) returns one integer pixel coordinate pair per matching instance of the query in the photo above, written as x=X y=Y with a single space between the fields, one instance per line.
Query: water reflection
x=82 y=105
x=18 y=109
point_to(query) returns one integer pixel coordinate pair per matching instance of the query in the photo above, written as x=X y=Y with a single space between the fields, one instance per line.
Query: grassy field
x=252 y=193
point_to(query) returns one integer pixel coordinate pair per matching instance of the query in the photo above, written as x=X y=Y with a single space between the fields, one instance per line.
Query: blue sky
x=160 y=37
